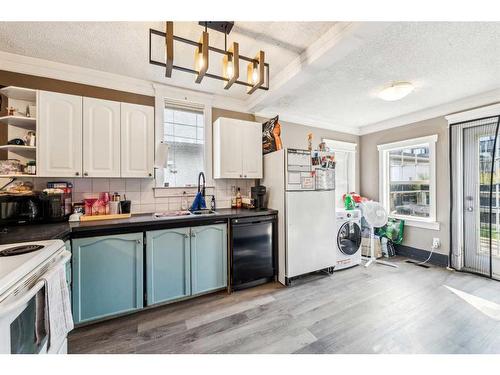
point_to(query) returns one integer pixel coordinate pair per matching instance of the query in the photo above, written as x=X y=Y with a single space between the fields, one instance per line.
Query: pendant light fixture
x=231 y=65
x=201 y=56
x=255 y=73
x=257 y=68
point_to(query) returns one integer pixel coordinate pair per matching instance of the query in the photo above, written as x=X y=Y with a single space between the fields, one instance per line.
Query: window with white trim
x=408 y=178
x=345 y=168
x=184 y=133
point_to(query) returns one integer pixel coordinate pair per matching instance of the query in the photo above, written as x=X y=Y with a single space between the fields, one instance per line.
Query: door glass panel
x=478 y=145
x=349 y=238
x=27 y=334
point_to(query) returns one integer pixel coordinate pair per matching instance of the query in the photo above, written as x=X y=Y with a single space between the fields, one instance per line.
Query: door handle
x=470 y=209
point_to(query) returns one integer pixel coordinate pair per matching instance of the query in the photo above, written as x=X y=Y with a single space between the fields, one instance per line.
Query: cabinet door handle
x=77 y=174
x=241 y=175
x=85 y=173
x=138 y=241
x=150 y=174
x=193 y=234
x=245 y=176
x=186 y=236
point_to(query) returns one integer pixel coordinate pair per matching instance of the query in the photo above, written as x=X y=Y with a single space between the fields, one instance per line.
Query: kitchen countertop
x=136 y=223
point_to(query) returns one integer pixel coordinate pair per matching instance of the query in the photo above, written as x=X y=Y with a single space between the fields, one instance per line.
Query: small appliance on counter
x=259 y=197
x=22 y=208
x=56 y=201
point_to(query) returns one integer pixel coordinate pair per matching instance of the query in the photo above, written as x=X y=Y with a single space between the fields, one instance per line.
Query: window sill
x=424 y=224
x=163 y=192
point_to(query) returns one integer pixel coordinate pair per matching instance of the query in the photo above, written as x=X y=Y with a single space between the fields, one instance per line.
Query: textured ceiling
x=122 y=47
x=446 y=62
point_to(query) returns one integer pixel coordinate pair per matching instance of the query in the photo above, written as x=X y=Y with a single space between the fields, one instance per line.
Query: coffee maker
x=259 y=197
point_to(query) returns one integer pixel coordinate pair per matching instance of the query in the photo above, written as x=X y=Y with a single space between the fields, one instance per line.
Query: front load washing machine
x=348 y=244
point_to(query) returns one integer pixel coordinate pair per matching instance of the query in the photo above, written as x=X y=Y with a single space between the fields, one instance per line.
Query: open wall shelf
x=28 y=123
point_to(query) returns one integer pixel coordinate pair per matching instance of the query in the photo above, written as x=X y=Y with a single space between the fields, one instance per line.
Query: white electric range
x=21 y=289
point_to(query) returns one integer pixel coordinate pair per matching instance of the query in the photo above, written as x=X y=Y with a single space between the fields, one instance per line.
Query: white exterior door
x=59 y=135
x=251 y=134
x=310 y=232
x=137 y=140
x=101 y=138
x=228 y=155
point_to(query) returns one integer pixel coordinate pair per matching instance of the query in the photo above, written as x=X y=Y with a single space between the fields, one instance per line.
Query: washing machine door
x=349 y=238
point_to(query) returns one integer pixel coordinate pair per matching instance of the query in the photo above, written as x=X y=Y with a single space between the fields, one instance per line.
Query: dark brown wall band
x=49 y=84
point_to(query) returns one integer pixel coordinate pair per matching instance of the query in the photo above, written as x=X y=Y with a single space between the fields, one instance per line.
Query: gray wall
x=295 y=136
x=414 y=237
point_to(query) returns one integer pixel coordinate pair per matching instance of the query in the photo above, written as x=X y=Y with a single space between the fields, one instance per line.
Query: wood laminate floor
x=374 y=310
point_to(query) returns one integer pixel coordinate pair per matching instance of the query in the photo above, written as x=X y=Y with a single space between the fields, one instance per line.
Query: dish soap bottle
x=184 y=202
x=212 y=203
x=238 y=199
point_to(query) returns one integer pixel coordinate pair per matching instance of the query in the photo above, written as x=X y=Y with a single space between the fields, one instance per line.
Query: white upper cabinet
x=252 y=150
x=101 y=138
x=59 y=135
x=137 y=140
x=237 y=149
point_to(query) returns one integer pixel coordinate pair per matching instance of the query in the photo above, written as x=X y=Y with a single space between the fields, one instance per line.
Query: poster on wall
x=271 y=132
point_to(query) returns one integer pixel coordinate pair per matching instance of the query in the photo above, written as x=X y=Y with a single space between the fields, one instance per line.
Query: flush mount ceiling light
x=396 y=91
x=257 y=68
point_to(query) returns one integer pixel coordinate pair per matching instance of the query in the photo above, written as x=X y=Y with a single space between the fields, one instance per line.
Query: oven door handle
x=4 y=310
x=22 y=300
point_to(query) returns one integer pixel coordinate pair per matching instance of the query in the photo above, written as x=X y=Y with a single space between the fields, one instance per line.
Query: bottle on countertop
x=238 y=199
x=233 y=196
x=184 y=201
x=212 y=203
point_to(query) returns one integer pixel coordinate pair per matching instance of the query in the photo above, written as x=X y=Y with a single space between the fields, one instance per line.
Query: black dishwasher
x=253 y=243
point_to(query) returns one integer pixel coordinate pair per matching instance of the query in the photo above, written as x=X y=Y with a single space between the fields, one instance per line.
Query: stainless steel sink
x=177 y=214
x=204 y=212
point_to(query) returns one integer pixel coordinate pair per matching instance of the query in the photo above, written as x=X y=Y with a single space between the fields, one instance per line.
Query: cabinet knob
x=85 y=173
x=241 y=175
x=77 y=174
x=186 y=236
x=245 y=176
x=150 y=174
x=193 y=234
x=138 y=241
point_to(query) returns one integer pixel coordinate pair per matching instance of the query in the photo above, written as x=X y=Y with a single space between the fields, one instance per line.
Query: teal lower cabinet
x=168 y=265
x=107 y=276
x=208 y=258
x=185 y=261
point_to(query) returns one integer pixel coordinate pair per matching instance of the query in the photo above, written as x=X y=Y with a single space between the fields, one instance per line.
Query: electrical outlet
x=436 y=243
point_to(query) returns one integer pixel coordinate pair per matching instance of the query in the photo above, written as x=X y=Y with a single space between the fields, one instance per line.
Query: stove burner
x=18 y=250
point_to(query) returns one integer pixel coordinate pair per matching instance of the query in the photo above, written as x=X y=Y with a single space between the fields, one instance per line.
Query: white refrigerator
x=306 y=216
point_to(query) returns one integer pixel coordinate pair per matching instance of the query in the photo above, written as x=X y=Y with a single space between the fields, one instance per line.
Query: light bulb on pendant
x=255 y=75
x=200 y=61
x=229 y=69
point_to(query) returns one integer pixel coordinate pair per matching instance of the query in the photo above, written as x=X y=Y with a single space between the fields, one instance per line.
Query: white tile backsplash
x=132 y=184
x=82 y=185
x=116 y=184
x=100 y=185
x=144 y=198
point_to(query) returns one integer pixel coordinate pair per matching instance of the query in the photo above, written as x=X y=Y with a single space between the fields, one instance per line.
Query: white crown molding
x=55 y=70
x=305 y=121
x=446 y=109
